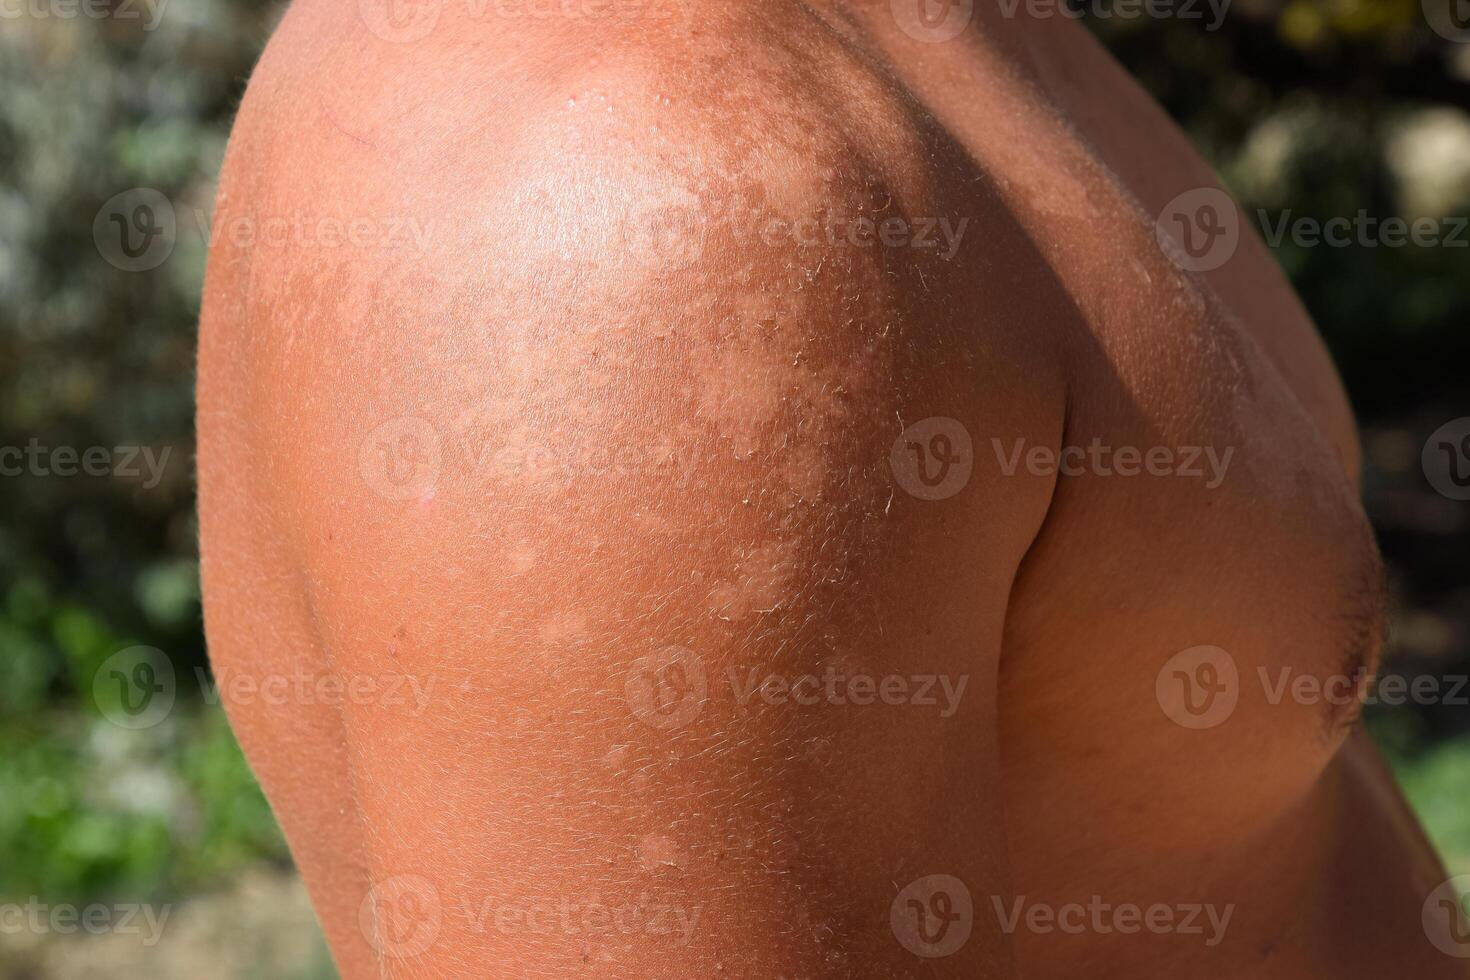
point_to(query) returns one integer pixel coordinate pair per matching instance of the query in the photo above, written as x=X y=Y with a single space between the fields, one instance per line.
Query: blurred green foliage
x=91 y=355
x=89 y=808
x=1437 y=784
x=1319 y=108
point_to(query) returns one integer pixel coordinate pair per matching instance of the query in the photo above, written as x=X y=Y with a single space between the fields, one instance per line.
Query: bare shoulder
x=570 y=215
x=647 y=448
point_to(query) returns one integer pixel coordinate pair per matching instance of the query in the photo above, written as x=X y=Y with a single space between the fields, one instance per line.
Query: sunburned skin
x=662 y=463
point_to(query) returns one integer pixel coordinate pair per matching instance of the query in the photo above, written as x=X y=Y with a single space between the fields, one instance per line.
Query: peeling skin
x=657 y=852
x=807 y=473
x=564 y=630
x=522 y=557
x=741 y=399
x=659 y=429
x=762 y=580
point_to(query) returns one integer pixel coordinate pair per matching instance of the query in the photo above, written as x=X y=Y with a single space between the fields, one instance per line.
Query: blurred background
x=1308 y=109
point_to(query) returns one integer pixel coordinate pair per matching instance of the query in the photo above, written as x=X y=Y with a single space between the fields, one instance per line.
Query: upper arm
x=583 y=490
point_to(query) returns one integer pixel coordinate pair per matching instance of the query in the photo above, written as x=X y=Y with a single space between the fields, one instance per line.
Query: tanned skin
x=594 y=426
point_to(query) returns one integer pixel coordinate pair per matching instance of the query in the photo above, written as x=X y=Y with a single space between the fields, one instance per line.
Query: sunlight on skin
x=690 y=525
